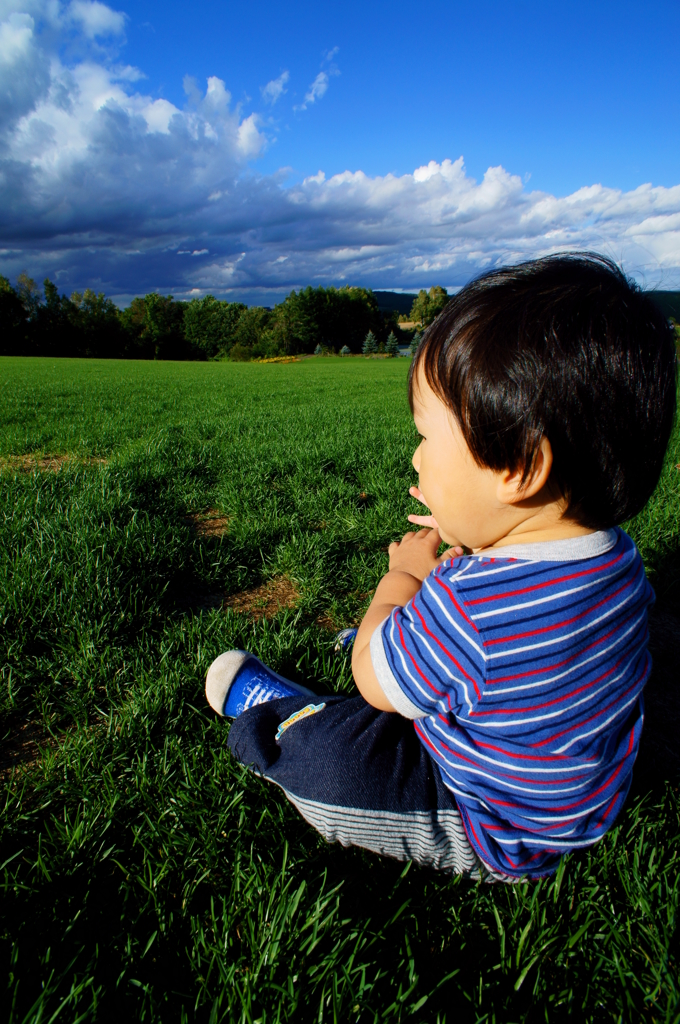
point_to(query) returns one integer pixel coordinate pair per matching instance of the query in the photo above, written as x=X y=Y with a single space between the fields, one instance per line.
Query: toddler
x=501 y=684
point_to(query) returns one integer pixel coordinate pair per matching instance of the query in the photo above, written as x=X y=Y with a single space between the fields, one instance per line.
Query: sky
x=247 y=149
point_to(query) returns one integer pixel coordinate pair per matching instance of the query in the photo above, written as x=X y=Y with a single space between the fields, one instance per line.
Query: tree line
x=428 y=305
x=36 y=321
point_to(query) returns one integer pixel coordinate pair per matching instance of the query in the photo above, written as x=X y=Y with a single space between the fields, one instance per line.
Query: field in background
x=152 y=515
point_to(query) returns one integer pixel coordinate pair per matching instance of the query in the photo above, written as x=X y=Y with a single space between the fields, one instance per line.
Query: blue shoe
x=344 y=641
x=237 y=680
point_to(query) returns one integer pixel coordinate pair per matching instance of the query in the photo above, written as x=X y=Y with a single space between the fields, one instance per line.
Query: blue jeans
x=360 y=776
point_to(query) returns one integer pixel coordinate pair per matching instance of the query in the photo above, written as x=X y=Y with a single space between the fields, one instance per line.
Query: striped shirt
x=524 y=673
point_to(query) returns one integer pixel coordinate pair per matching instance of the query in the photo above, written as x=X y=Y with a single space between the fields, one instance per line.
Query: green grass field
x=147 y=877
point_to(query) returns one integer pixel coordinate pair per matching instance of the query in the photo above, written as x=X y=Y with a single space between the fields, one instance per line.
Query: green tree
x=56 y=330
x=370 y=345
x=392 y=345
x=14 y=340
x=239 y=353
x=293 y=326
x=415 y=341
x=345 y=351
x=164 y=323
x=29 y=294
x=155 y=327
x=138 y=344
x=252 y=330
x=428 y=305
x=341 y=316
x=92 y=318
x=84 y=325
x=210 y=325
x=420 y=307
x=318 y=350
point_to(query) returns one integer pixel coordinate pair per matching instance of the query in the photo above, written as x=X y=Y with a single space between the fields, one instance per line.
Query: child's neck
x=539 y=526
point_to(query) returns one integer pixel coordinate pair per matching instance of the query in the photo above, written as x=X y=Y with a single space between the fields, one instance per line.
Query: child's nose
x=416 y=459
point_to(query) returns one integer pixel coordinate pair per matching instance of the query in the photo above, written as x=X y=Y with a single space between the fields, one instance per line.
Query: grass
x=145 y=876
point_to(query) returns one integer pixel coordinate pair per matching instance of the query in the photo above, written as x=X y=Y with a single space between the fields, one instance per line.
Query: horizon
x=672 y=296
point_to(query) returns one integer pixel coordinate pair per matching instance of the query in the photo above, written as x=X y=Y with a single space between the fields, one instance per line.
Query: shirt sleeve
x=428 y=656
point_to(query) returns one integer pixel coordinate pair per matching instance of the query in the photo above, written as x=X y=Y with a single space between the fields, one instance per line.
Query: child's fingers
x=426 y=534
x=430 y=521
x=431 y=537
x=424 y=521
x=454 y=552
x=397 y=543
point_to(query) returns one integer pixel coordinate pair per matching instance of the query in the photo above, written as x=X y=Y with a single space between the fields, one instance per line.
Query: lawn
x=153 y=515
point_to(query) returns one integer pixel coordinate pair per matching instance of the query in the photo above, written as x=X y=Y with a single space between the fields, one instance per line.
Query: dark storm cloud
x=103 y=186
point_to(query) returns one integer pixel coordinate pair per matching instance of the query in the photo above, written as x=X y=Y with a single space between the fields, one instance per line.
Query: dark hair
x=567 y=348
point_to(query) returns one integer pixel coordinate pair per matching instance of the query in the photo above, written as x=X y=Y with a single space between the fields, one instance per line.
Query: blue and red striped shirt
x=524 y=673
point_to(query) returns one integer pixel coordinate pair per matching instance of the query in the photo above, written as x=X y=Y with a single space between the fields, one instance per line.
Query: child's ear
x=510 y=488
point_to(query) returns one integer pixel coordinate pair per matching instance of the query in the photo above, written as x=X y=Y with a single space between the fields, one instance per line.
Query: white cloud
x=105 y=185
x=317 y=88
x=436 y=225
x=126 y=73
x=15 y=38
x=24 y=68
x=96 y=19
x=216 y=95
x=159 y=114
x=274 y=90
x=250 y=141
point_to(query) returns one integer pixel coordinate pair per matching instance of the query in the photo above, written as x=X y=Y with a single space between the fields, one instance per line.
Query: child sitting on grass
x=501 y=704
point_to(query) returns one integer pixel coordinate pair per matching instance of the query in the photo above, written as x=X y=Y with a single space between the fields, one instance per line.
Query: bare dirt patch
x=265 y=601
x=326 y=621
x=45 y=463
x=23 y=748
x=211 y=523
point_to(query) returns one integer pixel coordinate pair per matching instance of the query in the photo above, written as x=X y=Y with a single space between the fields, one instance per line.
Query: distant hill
x=401 y=302
x=395 y=302
x=668 y=303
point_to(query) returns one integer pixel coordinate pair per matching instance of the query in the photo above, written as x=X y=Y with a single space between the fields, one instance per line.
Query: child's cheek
x=448 y=538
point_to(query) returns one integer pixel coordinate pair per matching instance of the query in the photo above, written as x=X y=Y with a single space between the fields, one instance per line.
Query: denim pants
x=359 y=776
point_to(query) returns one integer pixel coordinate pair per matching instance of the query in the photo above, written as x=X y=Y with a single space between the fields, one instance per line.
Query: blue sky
x=569 y=93
x=178 y=148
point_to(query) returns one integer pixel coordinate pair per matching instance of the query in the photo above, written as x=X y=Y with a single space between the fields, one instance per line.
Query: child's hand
x=416 y=553
x=432 y=523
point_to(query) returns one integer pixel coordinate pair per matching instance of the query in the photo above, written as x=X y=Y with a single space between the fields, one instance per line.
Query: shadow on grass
x=663 y=569
x=659 y=757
